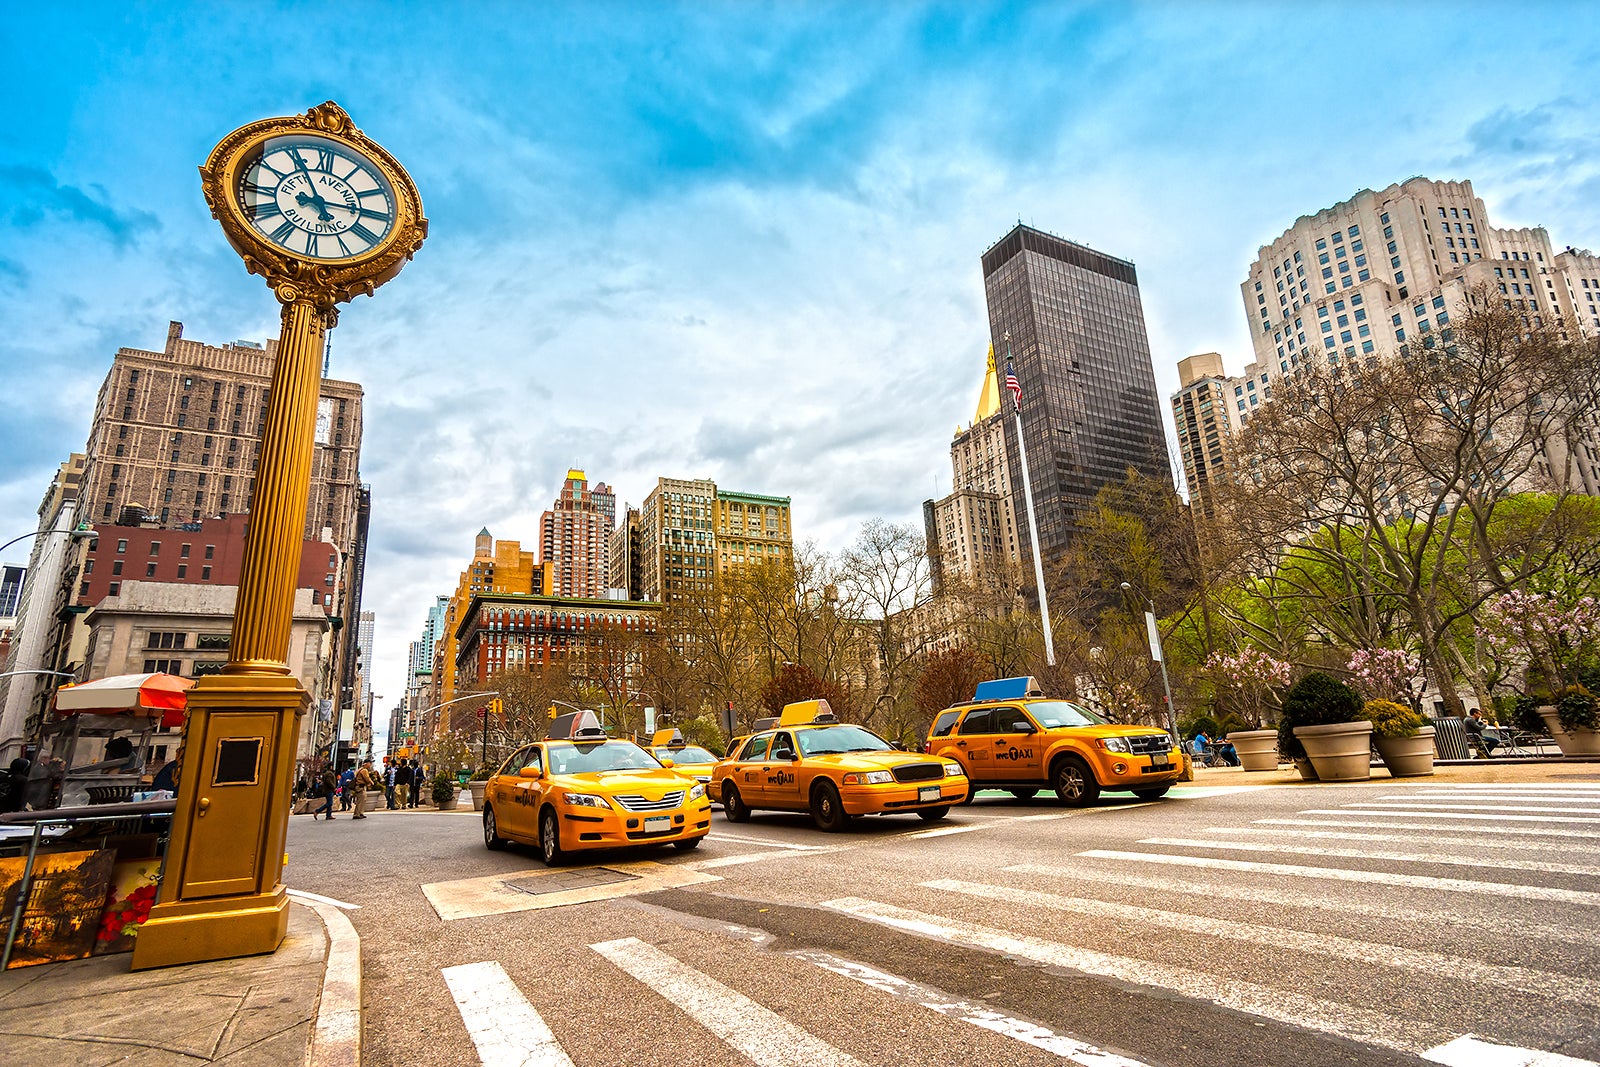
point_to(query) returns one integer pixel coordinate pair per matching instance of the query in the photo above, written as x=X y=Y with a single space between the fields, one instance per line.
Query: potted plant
x=478 y=783
x=1574 y=721
x=1250 y=679
x=1403 y=738
x=1321 y=728
x=444 y=791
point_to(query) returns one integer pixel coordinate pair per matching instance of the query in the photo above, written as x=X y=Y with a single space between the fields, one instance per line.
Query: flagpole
x=1033 y=523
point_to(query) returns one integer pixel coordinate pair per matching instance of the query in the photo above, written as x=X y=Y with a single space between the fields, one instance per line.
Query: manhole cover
x=563 y=881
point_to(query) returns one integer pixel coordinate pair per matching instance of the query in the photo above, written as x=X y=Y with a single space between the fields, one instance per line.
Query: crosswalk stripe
x=1558 y=799
x=941 y=831
x=1586 y=849
x=980 y=1015
x=502 y=1024
x=1408 y=881
x=1468 y=1051
x=762 y=1036
x=1375 y=854
x=1278 y=1005
x=1522 y=979
x=1464 y=815
x=1581 y=787
x=1428 y=805
x=1512 y=831
x=1283 y=897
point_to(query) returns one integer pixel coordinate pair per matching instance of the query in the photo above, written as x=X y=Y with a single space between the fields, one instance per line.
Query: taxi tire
x=1074 y=782
x=1155 y=792
x=733 y=805
x=1023 y=794
x=972 y=792
x=932 y=814
x=550 y=839
x=490 y=838
x=827 y=810
x=688 y=844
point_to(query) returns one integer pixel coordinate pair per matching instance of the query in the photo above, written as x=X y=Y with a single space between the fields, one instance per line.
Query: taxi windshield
x=1053 y=713
x=686 y=754
x=568 y=758
x=843 y=738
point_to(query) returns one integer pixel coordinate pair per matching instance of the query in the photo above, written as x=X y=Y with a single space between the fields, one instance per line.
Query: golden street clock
x=313 y=204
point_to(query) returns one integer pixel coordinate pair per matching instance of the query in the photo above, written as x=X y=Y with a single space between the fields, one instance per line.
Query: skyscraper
x=1201 y=411
x=575 y=538
x=1070 y=319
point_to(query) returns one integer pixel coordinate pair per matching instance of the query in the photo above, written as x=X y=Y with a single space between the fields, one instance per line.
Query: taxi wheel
x=491 y=836
x=688 y=844
x=1023 y=794
x=932 y=814
x=972 y=792
x=1075 y=783
x=733 y=805
x=827 y=810
x=1155 y=792
x=550 y=839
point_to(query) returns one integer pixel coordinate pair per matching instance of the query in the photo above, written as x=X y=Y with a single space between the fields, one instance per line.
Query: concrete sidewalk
x=1485 y=771
x=292 y=1007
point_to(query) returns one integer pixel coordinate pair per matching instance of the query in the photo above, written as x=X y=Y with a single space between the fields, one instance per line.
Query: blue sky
x=735 y=241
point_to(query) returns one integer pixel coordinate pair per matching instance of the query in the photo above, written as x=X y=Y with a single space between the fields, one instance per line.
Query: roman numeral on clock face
x=282 y=233
x=365 y=234
x=325 y=159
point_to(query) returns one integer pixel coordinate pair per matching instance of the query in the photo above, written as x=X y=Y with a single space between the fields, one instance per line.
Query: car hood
x=652 y=784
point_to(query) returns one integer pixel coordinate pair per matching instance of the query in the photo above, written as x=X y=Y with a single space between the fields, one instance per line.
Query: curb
x=336 y=1035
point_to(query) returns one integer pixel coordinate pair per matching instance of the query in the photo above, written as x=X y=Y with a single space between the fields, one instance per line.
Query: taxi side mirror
x=666 y=761
x=529 y=772
x=785 y=754
x=1022 y=727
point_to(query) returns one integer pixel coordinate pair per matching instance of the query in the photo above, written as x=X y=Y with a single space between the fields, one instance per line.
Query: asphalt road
x=1302 y=926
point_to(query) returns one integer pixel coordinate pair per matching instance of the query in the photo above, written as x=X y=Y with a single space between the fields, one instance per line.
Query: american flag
x=1013 y=386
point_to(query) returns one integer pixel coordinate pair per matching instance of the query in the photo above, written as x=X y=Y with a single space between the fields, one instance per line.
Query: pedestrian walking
x=388 y=781
x=416 y=782
x=365 y=778
x=402 y=783
x=329 y=785
x=347 y=782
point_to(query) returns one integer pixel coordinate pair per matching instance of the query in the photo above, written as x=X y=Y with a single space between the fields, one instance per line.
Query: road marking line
x=468 y=898
x=980 y=1015
x=763 y=1036
x=1468 y=1051
x=759 y=857
x=1409 y=881
x=1523 y=979
x=301 y=894
x=1278 y=1005
x=763 y=842
x=1530 y=798
x=1579 y=786
x=1513 y=831
x=940 y=831
x=1451 y=815
x=1375 y=854
x=1450 y=806
x=502 y=1024
x=1493 y=925
x=1469 y=842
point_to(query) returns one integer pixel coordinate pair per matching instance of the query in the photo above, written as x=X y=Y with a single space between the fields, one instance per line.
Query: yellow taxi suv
x=673 y=751
x=810 y=761
x=1012 y=737
x=580 y=789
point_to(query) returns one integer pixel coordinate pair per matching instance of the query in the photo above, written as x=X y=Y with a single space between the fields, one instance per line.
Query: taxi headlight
x=697 y=792
x=953 y=770
x=869 y=778
x=1116 y=744
x=585 y=800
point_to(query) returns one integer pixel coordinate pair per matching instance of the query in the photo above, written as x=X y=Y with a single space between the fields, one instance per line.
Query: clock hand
x=317 y=202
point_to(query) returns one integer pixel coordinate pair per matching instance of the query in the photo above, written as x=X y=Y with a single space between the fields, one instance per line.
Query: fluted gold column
x=264 y=614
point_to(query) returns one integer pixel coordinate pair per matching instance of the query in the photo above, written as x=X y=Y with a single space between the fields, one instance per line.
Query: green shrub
x=444 y=788
x=1525 y=715
x=1577 y=709
x=482 y=774
x=1315 y=700
x=1390 y=719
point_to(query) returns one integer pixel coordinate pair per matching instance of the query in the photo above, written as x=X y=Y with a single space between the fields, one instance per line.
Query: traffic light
x=550 y=713
x=497 y=707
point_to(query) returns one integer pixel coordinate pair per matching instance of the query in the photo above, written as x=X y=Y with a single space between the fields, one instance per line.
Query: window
x=122 y=546
x=210 y=551
x=163 y=666
x=205 y=574
x=164 y=639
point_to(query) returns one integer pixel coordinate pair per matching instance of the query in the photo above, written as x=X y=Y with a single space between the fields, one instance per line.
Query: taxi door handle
x=961 y=744
x=204 y=806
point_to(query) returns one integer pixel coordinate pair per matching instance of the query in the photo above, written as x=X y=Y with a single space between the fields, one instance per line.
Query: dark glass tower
x=1089 y=404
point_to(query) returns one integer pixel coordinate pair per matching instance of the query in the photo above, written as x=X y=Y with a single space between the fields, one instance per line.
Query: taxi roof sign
x=667 y=739
x=577 y=726
x=806 y=711
x=1007 y=689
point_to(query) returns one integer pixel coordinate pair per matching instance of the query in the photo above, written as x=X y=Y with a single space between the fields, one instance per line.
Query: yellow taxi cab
x=1011 y=736
x=810 y=761
x=580 y=789
x=688 y=759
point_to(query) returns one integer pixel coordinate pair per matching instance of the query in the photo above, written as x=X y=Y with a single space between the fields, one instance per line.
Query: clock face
x=315 y=197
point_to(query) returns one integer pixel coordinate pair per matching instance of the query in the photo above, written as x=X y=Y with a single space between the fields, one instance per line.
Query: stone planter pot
x=477 y=794
x=1571 y=742
x=1407 y=757
x=1308 y=773
x=1340 y=752
x=448 y=805
x=1258 y=749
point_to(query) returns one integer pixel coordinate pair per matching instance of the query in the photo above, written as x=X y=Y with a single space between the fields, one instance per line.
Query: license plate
x=928 y=792
x=658 y=824
x=1156 y=767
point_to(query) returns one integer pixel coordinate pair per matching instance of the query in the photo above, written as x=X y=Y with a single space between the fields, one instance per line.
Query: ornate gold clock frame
x=222 y=892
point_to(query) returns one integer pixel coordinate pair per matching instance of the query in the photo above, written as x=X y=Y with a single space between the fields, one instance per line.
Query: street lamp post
x=1157 y=654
